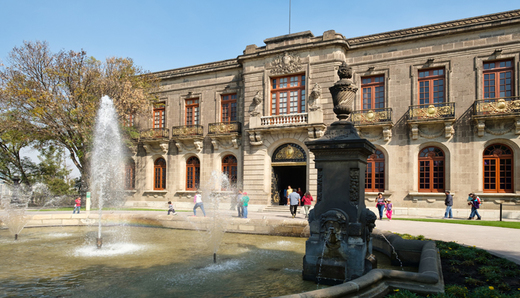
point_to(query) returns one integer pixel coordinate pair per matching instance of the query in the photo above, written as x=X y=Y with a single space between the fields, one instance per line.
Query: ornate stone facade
x=404 y=120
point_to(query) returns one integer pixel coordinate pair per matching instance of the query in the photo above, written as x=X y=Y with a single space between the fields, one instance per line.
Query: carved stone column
x=340 y=224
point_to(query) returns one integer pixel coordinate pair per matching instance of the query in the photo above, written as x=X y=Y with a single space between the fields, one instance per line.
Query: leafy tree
x=57 y=94
x=12 y=140
x=53 y=172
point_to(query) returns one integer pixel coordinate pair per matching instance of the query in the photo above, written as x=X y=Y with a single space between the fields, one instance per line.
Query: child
x=388 y=207
x=170 y=208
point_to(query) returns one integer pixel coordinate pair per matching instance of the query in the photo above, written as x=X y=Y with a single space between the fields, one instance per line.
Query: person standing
x=389 y=206
x=448 y=202
x=307 y=202
x=475 y=204
x=294 y=201
x=77 y=206
x=170 y=208
x=300 y=192
x=245 y=204
x=198 y=203
x=239 y=203
x=380 y=204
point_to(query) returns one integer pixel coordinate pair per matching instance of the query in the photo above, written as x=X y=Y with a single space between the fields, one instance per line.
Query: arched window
x=498 y=169
x=375 y=173
x=130 y=174
x=159 y=174
x=192 y=173
x=229 y=168
x=431 y=170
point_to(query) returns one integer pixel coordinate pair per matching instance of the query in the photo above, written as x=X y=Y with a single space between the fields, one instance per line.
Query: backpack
x=476 y=203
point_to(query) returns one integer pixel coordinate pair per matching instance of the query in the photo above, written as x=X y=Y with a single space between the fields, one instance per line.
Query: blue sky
x=161 y=35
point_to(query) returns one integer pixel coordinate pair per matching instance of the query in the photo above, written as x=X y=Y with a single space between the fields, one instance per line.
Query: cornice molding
x=439 y=28
x=207 y=67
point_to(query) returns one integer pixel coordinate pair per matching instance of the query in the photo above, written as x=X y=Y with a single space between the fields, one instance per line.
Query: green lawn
x=489 y=223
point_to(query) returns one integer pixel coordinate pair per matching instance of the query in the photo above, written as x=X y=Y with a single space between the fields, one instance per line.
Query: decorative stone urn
x=343 y=92
x=339 y=247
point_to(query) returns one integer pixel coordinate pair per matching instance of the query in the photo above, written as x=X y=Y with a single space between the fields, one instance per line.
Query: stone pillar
x=340 y=223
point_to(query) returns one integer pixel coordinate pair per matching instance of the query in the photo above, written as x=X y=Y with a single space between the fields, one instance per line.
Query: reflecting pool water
x=151 y=262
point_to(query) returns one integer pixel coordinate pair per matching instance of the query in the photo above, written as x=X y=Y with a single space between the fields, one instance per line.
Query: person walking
x=307 y=202
x=448 y=201
x=475 y=204
x=294 y=201
x=77 y=206
x=245 y=204
x=389 y=206
x=239 y=204
x=170 y=208
x=198 y=203
x=380 y=204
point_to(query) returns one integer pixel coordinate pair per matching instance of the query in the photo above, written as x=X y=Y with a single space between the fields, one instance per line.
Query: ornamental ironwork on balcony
x=497 y=106
x=220 y=128
x=188 y=131
x=154 y=133
x=369 y=117
x=298 y=118
x=436 y=111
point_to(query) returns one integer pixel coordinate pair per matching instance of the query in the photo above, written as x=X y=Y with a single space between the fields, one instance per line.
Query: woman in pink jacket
x=307 y=199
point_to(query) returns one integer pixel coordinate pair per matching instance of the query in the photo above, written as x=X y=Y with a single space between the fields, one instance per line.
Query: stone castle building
x=440 y=103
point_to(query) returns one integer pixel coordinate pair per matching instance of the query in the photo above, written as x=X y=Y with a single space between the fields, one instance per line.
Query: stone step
x=276 y=208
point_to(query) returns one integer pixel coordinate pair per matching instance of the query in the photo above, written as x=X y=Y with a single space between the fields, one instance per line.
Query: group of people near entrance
x=383 y=204
x=295 y=199
x=473 y=201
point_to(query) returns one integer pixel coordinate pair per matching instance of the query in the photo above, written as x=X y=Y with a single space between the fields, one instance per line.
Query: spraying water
x=107 y=161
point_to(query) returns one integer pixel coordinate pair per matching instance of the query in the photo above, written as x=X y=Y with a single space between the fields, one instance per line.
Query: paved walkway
x=502 y=242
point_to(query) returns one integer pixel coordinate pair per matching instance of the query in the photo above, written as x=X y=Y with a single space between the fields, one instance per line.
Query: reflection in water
x=158 y=262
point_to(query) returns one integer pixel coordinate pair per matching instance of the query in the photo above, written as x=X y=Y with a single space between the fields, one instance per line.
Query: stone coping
x=379 y=282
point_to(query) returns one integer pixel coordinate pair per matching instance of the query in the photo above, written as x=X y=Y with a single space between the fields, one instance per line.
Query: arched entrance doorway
x=289 y=168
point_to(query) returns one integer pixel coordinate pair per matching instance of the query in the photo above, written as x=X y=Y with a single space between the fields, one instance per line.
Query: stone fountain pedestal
x=339 y=246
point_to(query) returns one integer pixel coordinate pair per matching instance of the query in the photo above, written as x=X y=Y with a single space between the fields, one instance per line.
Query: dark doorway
x=295 y=176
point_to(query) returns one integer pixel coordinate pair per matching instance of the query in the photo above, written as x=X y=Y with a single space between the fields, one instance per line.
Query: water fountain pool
x=155 y=262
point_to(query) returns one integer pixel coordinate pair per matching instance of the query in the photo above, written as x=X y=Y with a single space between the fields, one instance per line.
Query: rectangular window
x=498 y=79
x=431 y=86
x=159 y=116
x=192 y=111
x=373 y=92
x=288 y=95
x=229 y=108
x=129 y=120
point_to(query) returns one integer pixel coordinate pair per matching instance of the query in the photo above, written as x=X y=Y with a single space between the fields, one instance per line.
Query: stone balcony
x=373 y=124
x=155 y=140
x=225 y=134
x=311 y=122
x=154 y=134
x=432 y=120
x=188 y=137
x=497 y=116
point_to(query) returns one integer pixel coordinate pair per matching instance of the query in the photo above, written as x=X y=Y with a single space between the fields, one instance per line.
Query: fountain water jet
x=217 y=190
x=107 y=161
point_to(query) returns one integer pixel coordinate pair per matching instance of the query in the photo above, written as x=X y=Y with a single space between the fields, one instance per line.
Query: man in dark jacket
x=448 y=202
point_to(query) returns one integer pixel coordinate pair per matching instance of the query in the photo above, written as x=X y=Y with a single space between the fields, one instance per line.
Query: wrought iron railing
x=187 y=130
x=432 y=111
x=497 y=106
x=374 y=116
x=299 y=118
x=155 y=133
x=224 y=127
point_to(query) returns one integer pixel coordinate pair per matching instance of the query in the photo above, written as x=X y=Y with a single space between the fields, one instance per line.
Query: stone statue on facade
x=314 y=98
x=256 y=107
